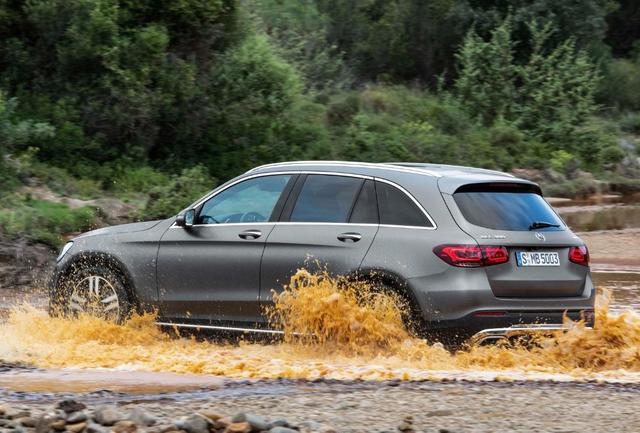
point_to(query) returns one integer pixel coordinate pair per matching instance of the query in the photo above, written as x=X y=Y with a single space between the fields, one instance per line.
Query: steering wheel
x=252 y=217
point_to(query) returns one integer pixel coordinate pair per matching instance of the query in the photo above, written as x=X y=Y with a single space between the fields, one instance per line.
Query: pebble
x=69 y=406
x=280 y=429
x=142 y=417
x=238 y=427
x=58 y=425
x=76 y=417
x=77 y=427
x=107 y=415
x=194 y=423
x=257 y=423
x=27 y=421
x=124 y=427
x=95 y=428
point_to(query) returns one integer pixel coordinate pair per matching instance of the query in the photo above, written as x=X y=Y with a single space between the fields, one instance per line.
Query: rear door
x=516 y=216
x=328 y=223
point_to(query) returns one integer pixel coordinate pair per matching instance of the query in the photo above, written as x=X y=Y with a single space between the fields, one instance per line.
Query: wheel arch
x=104 y=259
x=390 y=279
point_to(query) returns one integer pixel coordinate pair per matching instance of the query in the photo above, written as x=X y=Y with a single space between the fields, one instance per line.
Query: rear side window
x=326 y=198
x=500 y=210
x=397 y=208
x=365 y=211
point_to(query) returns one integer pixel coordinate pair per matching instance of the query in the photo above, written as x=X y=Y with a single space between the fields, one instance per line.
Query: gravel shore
x=300 y=406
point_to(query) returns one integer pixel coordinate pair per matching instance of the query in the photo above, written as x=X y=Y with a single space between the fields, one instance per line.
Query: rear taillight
x=579 y=255
x=472 y=256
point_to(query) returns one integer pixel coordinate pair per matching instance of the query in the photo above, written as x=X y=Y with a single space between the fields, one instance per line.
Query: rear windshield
x=507 y=210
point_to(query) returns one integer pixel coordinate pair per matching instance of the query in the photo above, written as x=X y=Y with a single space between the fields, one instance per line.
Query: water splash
x=356 y=335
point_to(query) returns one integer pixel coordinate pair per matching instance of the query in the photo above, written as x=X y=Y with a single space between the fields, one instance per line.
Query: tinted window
x=397 y=208
x=250 y=201
x=506 y=210
x=365 y=211
x=326 y=199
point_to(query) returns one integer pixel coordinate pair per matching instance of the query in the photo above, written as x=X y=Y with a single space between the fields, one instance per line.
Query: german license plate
x=537 y=258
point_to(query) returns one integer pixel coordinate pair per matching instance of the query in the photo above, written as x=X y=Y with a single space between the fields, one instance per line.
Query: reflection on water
x=624 y=287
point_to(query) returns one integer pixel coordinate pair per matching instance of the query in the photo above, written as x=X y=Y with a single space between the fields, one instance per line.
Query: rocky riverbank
x=332 y=406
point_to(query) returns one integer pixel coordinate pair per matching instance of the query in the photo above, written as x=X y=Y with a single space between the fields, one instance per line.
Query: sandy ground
x=614 y=249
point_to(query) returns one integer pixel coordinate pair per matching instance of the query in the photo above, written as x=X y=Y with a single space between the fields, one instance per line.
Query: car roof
x=448 y=177
x=436 y=170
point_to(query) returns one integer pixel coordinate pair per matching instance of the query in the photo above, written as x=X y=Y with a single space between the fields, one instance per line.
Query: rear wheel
x=410 y=312
x=95 y=290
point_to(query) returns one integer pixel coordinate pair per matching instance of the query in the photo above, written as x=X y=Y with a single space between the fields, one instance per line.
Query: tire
x=411 y=315
x=94 y=289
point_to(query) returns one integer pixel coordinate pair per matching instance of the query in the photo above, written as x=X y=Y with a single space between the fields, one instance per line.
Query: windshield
x=516 y=211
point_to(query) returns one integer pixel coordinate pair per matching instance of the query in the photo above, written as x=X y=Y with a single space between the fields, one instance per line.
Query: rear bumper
x=497 y=334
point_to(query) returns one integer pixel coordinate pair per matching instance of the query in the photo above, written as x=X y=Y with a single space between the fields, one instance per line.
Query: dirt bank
x=614 y=249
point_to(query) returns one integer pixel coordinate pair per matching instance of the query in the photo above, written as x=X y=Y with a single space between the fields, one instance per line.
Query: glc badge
x=540 y=237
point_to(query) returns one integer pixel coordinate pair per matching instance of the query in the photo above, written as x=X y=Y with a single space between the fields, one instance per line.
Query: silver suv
x=474 y=251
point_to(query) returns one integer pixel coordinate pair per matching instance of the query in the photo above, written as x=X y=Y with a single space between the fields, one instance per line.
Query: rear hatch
x=544 y=254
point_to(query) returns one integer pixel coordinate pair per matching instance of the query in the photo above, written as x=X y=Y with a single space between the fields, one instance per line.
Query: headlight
x=64 y=250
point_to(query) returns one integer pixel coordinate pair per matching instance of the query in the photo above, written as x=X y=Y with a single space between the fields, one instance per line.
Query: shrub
x=167 y=200
x=621 y=86
x=44 y=221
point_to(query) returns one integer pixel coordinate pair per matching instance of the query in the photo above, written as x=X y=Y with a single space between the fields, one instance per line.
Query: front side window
x=249 y=201
x=326 y=198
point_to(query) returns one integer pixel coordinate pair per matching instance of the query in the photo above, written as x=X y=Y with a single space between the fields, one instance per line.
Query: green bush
x=621 y=85
x=169 y=199
x=43 y=221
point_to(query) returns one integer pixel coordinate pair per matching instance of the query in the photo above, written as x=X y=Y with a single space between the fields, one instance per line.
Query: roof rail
x=385 y=166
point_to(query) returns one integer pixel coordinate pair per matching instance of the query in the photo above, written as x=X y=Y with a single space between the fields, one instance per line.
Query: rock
x=3 y=410
x=256 y=422
x=107 y=415
x=280 y=423
x=77 y=427
x=27 y=421
x=280 y=429
x=58 y=425
x=195 y=423
x=95 y=428
x=125 y=426
x=141 y=417
x=225 y=421
x=213 y=416
x=238 y=427
x=16 y=413
x=69 y=406
x=442 y=412
x=76 y=417
x=44 y=422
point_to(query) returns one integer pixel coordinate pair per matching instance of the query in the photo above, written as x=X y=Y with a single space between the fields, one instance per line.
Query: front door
x=329 y=223
x=211 y=272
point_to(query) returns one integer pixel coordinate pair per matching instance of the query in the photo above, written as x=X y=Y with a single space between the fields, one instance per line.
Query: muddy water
x=357 y=340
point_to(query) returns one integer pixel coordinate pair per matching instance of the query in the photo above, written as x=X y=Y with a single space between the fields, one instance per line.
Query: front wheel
x=94 y=290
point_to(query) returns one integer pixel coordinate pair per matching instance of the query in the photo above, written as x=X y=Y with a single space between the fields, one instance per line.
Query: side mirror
x=186 y=219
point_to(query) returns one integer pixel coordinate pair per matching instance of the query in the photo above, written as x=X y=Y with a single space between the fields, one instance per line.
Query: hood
x=123 y=228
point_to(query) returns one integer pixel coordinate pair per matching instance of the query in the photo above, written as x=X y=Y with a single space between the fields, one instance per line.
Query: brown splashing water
x=357 y=334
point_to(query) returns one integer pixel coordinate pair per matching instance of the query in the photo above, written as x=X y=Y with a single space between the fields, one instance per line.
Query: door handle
x=250 y=234
x=349 y=237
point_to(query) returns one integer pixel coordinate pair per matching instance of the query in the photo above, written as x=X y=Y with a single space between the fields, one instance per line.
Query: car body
x=472 y=250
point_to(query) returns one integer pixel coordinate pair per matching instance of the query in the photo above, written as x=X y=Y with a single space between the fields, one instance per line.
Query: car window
x=516 y=211
x=365 y=211
x=326 y=198
x=250 y=201
x=397 y=208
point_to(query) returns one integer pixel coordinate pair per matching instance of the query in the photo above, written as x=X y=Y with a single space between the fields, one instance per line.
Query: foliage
x=182 y=190
x=43 y=221
x=621 y=87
